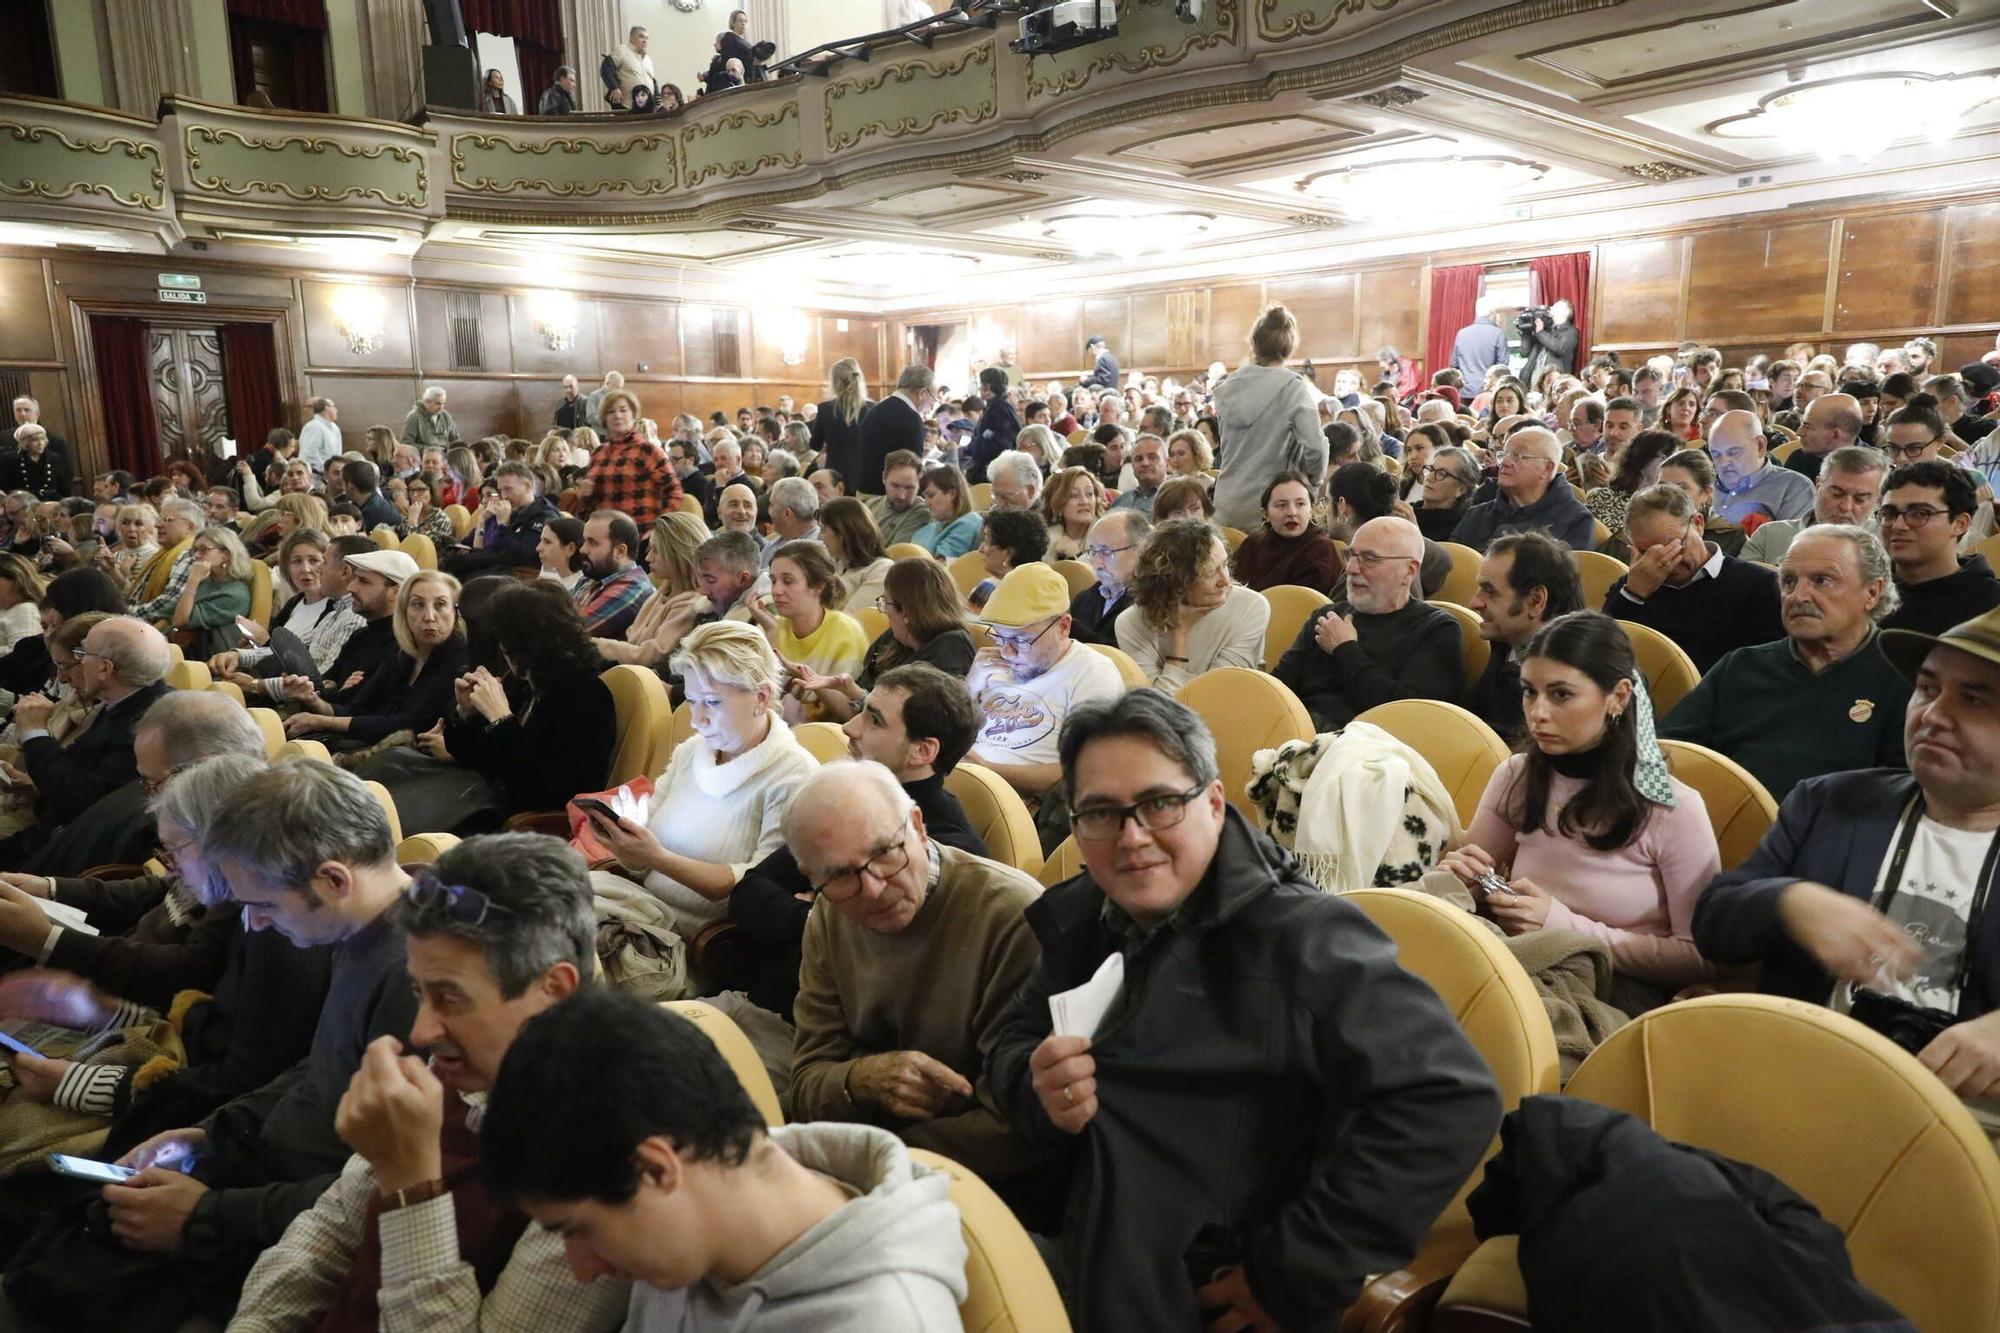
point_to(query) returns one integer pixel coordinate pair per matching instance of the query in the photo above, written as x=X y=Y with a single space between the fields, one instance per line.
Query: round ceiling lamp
x=1417 y=187
x=1860 y=115
x=1127 y=232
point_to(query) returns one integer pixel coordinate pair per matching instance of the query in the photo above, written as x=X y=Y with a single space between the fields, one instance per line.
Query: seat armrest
x=553 y=823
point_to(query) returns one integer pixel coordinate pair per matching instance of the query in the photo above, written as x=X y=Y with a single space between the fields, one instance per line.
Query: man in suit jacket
x=1112 y=547
x=896 y=422
x=1104 y=374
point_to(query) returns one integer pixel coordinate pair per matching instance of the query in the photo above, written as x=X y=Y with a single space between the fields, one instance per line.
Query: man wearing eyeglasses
x=1926 y=508
x=912 y=953
x=500 y=929
x=1270 y=1110
x=1849 y=484
x=1112 y=547
x=1533 y=493
x=1030 y=679
x=1686 y=587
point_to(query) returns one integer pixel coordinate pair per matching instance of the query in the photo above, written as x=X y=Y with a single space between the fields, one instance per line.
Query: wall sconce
x=793 y=335
x=358 y=312
x=554 y=313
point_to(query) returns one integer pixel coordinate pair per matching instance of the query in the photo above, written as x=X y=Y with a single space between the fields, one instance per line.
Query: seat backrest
x=229 y=689
x=1075 y=573
x=1858 y=1127
x=1128 y=670
x=1472 y=650
x=385 y=537
x=998 y=815
x=679 y=727
x=981 y=496
x=639 y=700
x=822 y=740
x=1990 y=549
x=909 y=551
x=388 y=808
x=873 y=623
x=967 y=572
x=273 y=727
x=1246 y=711
x=305 y=749
x=1463 y=749
x=421 y=549
x=1597 y=571
x=1065 y=862
x=461 y=520
x=1291 y=607
x=1739 y=809
x=1670 y=672
x=721 y=1029
x=688 y=504
x=1600 y=532
x=1463 y=581
x=422 y=849
x=1232 y=537
x=1784 y=451
x=260 y=593
x=186 y=675
x=1008 y=1287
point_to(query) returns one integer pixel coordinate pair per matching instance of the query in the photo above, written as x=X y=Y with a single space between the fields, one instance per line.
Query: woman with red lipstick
x=1291 y=548
x=1585 y=826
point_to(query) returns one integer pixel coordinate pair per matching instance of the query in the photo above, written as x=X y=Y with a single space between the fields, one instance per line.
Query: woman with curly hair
x=1187 y=615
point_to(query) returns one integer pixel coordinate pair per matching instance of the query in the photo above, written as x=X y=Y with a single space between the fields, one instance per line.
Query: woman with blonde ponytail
x=836 y=430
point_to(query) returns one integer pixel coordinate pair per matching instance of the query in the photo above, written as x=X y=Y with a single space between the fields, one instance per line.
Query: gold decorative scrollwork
x=911 y=124
x=736 y=121
x=312 y=147
x=1303 y=23
x=568 y=148
x=1156 y=56
x=133 y=149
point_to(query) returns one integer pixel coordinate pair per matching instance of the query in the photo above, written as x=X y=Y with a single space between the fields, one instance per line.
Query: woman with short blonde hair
x=412 y=693
x=671 y=564
x=216 y=592
x=1189 y=453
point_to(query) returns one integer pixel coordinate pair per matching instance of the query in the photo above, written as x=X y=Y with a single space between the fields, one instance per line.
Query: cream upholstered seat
x=1075 y=573
x=721 y=1029
x=1463 y=749
x=998 y=815
x=1232 y=537
x=385 y=537
x=1128 y=670
x=1597 y=571
x=1850 y=1121
x=1065 y=862
x=1463 y=581
x=420 y=549
x=980 y=496
x=679 y=727
x=1291 y=607
x=422 y=849
x=640 y=702
x=461 y=520
x=228 y=689
x=304 y=748
x=388 y=808
x=1009 y=1289
x=1739 y=809
x=909 y=551
x=185 y=675
x=273 y=727
x=873 y=623
x=1670 y=673
x=1500 y=1009
x=1246 y=711
x=260 y=593
x=822 y=740
x=967 y=572
x=1473 y=650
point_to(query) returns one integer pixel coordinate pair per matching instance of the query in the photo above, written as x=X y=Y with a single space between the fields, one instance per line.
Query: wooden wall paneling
x=1232 y=312
x=1958 y=349
x=529 y=345
x=698 y=340
x=1112 y=317
x=373 y=400
x=1151 y=344
x=1324 y=307
x=1391 y=312
x=1187 y=328
x=433 y=345
x=1748 y=282
x=26 y=332
x=479 y=407
x=631 y=334
x=1972 y=294
x=862 y=340
x=496 y=339
x=323 y=306
x=51 y=389
x=1638 y=285
x=770 y=328
x=1052 y=337
x=1889 y=269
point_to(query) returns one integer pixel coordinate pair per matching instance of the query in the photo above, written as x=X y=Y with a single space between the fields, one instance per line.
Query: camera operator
x=1551 y=340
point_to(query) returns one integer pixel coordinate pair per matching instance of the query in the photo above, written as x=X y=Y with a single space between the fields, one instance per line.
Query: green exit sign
x=184 y=281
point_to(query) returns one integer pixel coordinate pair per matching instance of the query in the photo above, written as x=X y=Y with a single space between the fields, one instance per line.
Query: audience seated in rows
x=926 y=625
x=1845 y=490
x=614 y=586
x=812 y=637
x=1531 y=493
x=407 y=693
x=1270 y=416
x=1290 y=547
x=1748 y=484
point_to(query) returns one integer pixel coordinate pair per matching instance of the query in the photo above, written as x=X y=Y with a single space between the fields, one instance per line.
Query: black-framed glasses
x=886 y=603
x=459 y=904
x=1909 y=450
x=1016 y=644
x=1101 y=823
x=884 y=863
x=1914 y=515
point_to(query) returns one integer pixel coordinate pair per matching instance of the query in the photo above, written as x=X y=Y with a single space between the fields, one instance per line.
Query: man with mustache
x=1867 y=895
x=1822 y=699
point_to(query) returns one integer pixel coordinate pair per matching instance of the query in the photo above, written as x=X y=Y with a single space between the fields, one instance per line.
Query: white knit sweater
x=723 y=813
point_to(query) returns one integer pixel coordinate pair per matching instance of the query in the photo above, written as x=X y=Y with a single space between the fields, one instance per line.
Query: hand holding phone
x=82 y=1168
x=590 y=805
x=1487 y=885
x=19 y=1047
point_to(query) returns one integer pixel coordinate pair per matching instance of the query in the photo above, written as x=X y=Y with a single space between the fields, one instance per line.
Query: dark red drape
x=536 y=27
x=1454 y=304
x=123 y=354
x=291 y=13
x=28 y=58
x=295 y=32
x=1566 y=278
x=250 y=384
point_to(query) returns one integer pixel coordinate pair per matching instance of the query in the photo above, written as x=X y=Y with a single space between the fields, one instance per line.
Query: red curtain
x=250 y=384
x=121 y=349
x=536 y=27
x=1454 y=304
x=1566 y=278
x=293 y=33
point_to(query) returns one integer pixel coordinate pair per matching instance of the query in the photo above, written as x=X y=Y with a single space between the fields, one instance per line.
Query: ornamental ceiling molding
x=311 y=147
x=1395 y=95
x=134 y=150
x=569 y=148
x=905 y=75
x=1155 y=55
x=738 y=120
x=1309 y=18
x=1661 y=172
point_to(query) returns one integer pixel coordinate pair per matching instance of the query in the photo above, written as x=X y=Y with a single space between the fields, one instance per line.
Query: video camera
x=1065 y=25
x=1524 y=323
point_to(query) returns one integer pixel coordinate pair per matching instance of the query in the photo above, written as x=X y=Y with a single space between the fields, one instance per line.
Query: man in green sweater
x=912 y=954
x=1822 y=699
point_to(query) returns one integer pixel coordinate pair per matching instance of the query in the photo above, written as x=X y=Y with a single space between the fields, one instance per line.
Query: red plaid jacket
x=633 y=475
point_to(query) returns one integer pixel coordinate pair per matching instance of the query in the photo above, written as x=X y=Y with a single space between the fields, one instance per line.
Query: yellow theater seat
x=305 y=749
x=260 y=593
x=1473 y=650
x=273 y=727
x=1739 y=809
x=1597 y=571
x=998 y=815
x=1246 y=711
x=420 y=549
x=873 y=623
x=644 y=712
x=1291 y=607
x=1065 y=862
x=721 y=1029
x=1128 y=670
x=1463 y=581
x=909 y=551
x=1075 y=573
x=967 y=572
x=1670 y=673
x=422 y=849
x=1463 y=749
x=1008 y=1287
x=822 y=740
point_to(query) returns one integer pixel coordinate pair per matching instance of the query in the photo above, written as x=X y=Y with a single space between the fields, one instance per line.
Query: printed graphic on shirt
x=1931 y=905
x=1015 y=719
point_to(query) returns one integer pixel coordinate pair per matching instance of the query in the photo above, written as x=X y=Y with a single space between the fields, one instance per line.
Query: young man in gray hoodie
x=618 y=1125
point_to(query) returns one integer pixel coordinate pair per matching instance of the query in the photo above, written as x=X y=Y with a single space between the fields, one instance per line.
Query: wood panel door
x=188 y=394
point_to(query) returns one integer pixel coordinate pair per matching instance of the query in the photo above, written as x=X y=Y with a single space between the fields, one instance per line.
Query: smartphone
x=82 y=1168
x=1487 y=883
x=14 y=1043
x=591 y=805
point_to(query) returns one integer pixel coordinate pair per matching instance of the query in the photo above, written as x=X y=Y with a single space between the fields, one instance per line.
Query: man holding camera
x=1551 y=339
x=1870 y=892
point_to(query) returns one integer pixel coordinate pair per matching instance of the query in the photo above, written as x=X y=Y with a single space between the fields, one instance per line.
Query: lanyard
x=1912 y=817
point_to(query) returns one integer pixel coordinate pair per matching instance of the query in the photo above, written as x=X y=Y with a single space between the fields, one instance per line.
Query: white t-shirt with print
x=1021 y=721
x=1931 y=904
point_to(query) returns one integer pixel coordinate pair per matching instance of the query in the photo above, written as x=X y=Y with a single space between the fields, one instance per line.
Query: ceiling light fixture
x=1860 y=115
x=1420 y=187
x=1127 y=232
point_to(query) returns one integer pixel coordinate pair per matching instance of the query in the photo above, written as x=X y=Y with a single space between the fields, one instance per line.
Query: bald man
x=1747 y=483
x=1379 y=644
x=1533 y=494
x=1833 y=421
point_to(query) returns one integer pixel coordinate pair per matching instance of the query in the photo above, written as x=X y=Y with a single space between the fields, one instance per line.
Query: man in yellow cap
x=1872 y=892
x=1027 y=682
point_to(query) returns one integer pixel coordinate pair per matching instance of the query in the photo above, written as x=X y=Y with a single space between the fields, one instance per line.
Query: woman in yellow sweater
x=805 y=625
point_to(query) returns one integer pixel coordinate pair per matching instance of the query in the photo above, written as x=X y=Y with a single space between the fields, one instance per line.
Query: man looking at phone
x=1868 y=893
x=1297 y=1166
x=1682 y=584
x=500 y=929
